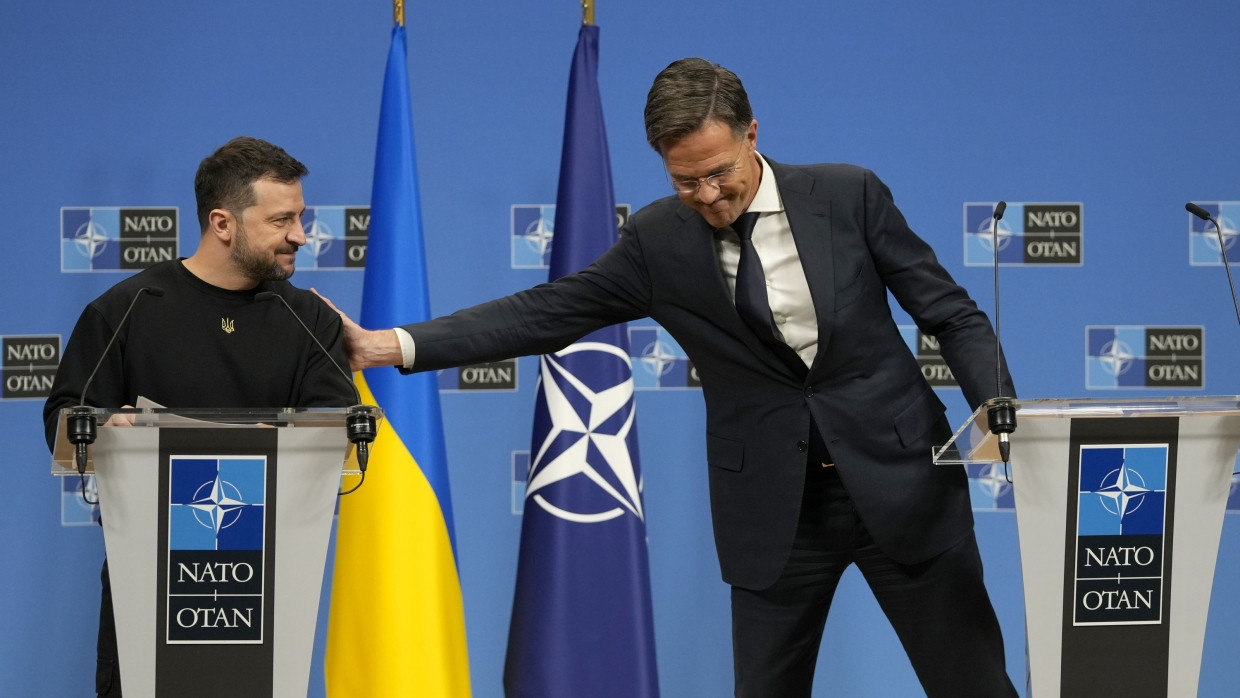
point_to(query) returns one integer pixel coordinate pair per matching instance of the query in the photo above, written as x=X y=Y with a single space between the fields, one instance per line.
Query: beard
x=254 y=264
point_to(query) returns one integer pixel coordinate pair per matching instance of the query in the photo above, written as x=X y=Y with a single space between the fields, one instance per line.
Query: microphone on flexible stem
x=360 y=423
x=81 y=423
x=1222 y=248
x=1001 y=415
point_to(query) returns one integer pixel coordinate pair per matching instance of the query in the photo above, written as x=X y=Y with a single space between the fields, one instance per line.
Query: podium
x=1119 y=509
x=216 y=524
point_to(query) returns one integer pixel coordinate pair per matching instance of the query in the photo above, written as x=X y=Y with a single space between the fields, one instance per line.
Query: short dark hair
x=225 y=177
x=687 y=94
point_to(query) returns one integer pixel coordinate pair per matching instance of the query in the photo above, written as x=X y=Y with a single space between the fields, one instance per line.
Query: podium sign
x=216 y=524
x=1119 y=508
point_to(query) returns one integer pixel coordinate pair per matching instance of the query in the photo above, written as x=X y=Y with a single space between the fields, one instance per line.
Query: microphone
x=1001 y=415
x=81 y=422
x=1222 y=248
x=360 y=423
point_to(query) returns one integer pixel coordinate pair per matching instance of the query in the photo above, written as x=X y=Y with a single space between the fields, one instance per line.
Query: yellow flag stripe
x=397 y=625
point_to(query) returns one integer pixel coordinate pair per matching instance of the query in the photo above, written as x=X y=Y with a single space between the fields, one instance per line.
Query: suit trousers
x=939 y=608
x=107 y=662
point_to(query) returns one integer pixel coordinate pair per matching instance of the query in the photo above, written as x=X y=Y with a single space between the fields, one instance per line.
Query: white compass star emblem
x=217 y=504
x=319 y=237
x=90 y=238
x=588 y=438
x=657 y=358
x=1122 y=491
x=1116 y=357
x=538 y=235
x=988 y=231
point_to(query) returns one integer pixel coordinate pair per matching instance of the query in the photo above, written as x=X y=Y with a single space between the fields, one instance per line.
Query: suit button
x=809 y=391
x=802 y=446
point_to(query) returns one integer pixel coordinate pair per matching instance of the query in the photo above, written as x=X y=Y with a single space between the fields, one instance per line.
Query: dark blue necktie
x=752 y=303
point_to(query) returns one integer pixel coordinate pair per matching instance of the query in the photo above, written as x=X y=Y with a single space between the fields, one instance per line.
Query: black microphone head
x=154 y=291
x=999 y=209
x=1197 y=211
x=265 y=295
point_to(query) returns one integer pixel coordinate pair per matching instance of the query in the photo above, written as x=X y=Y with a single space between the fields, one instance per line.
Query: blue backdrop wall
x=1117 y=112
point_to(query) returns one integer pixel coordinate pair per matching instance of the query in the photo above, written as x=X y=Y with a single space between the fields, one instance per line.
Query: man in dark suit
x=819 y=421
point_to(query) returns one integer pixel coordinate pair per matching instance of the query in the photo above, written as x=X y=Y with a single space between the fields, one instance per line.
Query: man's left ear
x=221 y=224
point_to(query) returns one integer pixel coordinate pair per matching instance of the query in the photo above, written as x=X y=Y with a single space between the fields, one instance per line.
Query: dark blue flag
x=581 y=617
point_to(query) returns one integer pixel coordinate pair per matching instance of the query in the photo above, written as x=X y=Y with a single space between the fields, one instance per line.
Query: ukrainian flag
x=397 y=624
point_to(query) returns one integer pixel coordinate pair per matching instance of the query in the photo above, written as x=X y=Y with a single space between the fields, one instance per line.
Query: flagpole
x=587 y=12
x=398 y=7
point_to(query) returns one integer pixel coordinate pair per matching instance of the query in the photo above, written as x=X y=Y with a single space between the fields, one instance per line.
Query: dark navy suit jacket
x=865 y=391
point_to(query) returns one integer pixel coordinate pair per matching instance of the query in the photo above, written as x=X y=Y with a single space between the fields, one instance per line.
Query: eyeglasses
x=717 y=180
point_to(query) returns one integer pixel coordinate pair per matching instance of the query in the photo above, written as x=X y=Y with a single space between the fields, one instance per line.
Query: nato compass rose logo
x=1116 y=357
x=982 y=235
x=319 y=237
x=1122 y=492
x=990 y=486
x=988 y=233
x=658 y=358
x=583 y=470
x=532 y=233
x=217 y=504
x=90 y=238
x=1203 y=237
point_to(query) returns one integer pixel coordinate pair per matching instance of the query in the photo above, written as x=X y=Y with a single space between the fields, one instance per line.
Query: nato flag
x=581 y=617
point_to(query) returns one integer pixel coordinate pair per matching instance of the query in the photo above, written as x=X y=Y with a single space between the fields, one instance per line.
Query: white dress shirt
x=787 y=291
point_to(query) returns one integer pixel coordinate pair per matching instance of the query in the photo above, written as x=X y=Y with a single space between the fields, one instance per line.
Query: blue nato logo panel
x=1123 y=490
x=216 y=549
x=1029 y=233
x=659 y=363
x=1144 y=356
x=336 y=238
x=217 y=503
x=89 y=239
x=1203 y=237
x=111 y=238
x=74 y=510
x=532 y=233
x=1114 y=357
x=980 y=233
x=1120 y=533
x=533 y=228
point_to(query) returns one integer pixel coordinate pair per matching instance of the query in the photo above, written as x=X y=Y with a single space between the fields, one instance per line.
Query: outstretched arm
x=367 y=348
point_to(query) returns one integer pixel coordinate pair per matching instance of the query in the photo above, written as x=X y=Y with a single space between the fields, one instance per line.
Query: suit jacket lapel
x=701 y=261
x=809 y=216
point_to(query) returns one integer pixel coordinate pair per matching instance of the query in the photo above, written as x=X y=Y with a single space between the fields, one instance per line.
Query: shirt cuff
x=406 y=347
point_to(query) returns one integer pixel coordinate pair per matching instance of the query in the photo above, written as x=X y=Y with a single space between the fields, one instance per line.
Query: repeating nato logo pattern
x=1203 y=237
x=1028 y=234
x=1140 y=356
x=109 y=238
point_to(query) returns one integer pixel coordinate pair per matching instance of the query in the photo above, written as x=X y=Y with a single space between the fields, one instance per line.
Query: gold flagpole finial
x=587 y=12
x=398 y=7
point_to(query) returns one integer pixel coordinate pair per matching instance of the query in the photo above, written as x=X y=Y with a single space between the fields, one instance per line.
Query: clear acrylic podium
x=216 y=524
x=1119 y=508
